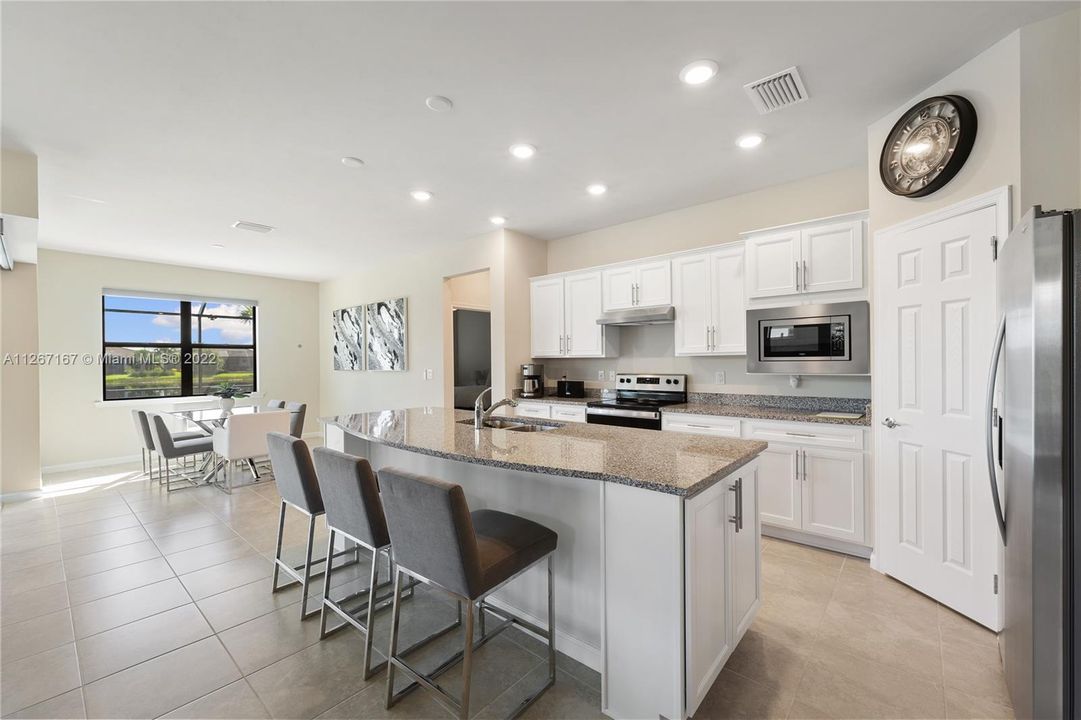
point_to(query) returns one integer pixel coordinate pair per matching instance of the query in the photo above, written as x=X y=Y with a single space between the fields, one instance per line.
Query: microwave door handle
x=996 y=355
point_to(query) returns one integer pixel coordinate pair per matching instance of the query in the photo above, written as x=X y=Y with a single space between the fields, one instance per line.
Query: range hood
x=639 y=316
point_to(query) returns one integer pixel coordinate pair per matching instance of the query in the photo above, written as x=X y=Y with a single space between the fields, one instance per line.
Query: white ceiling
x=158 y=125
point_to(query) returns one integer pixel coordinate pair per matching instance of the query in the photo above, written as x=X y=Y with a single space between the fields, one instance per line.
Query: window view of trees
x=157 y=347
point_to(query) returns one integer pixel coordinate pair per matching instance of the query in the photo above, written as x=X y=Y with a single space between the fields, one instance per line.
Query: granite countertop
x=673 y=463
x=763 y=413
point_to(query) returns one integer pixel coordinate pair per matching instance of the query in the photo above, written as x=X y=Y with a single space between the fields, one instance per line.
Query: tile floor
x=119 y=601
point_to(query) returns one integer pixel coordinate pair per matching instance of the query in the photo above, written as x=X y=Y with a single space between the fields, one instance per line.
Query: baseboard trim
x=106 y=462
x=861 y=551
x=566 y=644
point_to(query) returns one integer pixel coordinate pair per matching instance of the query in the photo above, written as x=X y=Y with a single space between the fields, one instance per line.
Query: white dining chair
x=244 y=437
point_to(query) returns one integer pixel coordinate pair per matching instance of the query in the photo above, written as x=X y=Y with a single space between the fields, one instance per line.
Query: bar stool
x=353 y=510
x=299 y=487
x=439 y=542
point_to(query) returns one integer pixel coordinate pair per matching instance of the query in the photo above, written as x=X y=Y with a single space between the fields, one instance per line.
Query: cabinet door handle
x=737 y=519
x=568 y=344
x=797 y=276
x=713 y=328
x=707 y=337
x=560 y=344
x=804 y=276
x=804 y=466
x=797 y=434
x=798 y=476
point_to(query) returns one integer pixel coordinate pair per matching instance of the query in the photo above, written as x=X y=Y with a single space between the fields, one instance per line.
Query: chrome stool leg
x=293 y=571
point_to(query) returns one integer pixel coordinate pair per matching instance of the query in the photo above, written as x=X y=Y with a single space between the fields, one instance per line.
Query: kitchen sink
x=498 y=424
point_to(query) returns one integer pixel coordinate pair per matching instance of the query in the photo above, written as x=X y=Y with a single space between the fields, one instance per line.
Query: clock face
x=928 y=146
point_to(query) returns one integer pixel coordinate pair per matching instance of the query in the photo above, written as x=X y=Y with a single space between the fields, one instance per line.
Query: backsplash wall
x=651 y=348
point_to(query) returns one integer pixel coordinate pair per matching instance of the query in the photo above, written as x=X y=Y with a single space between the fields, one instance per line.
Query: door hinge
x=994 y=247
x=996 y=583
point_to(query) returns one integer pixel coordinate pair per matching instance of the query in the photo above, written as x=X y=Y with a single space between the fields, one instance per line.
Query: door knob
x=890 y=422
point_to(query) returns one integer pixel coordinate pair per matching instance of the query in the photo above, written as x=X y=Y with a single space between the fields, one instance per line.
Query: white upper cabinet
x=707 y=292
x=582 y=308
x=832 y=257
x=692 y=298
x=563 y=317
x=817 y=257
x=546 y=317
x=643 y=284
x=773 y=264
x=729 y=313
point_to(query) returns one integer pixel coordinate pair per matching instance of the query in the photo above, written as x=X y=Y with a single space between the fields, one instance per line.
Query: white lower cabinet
x=810 y=478
x=722 y=576
x=533 y=410
x=569 y=413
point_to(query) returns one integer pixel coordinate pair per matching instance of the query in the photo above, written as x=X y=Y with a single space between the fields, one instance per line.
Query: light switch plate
x=429 y=374
x=611 y=376
x=600 y=375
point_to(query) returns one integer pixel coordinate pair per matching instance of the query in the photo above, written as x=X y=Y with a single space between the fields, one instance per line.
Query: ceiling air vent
x=252 y=227
x=777 y=91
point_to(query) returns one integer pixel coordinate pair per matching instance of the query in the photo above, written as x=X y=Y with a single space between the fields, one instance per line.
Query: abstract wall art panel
x=348 y=331
x=386 y=329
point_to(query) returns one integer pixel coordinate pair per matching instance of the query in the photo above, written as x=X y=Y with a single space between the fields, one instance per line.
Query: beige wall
x=75 y=427
x=1051 y=113
x=991 y=81
x=18 y=183
x=20 y=467
x=472 y=290
x=650 y=349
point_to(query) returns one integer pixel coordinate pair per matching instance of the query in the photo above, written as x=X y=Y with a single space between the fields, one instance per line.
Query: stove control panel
x=627 y=381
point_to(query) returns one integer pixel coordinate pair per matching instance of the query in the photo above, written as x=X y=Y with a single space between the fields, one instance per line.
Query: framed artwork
x=348 y=330
x=386 y=333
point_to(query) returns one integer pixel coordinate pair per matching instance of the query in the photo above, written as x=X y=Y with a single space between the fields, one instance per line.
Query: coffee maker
x=532 y=380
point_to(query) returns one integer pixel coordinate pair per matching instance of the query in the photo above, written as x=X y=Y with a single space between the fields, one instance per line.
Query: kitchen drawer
x=841 y=437
x=701 y=424
x=533 y=410
x=569 y=413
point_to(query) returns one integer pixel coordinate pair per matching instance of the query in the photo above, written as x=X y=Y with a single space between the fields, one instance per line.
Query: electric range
x=637 y=400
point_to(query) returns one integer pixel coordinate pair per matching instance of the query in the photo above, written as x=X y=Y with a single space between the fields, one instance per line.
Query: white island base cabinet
x=669 y=626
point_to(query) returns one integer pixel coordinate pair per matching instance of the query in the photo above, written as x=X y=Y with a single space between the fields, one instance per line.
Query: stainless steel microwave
x=832 y=339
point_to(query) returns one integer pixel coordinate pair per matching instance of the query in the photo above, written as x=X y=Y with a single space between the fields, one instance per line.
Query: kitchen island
x=657 y=570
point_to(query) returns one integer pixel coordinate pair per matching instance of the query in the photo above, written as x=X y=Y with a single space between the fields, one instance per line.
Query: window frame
x=186 y=347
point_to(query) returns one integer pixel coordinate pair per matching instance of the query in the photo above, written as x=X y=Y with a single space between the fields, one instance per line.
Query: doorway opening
x=469 y=370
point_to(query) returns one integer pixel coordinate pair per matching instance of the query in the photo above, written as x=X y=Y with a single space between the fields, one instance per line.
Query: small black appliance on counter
x=570 y=388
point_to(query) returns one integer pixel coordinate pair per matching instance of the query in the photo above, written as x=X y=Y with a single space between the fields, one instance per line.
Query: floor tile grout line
x=816 y=632
x=544 y=658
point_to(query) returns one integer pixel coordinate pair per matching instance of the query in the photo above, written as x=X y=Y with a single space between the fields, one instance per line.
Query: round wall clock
x=928 y=146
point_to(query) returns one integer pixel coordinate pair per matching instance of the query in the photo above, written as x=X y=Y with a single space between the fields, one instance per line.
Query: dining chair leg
x=308 y=568
x=395 y=612
x=278 y=548
x=326 y=593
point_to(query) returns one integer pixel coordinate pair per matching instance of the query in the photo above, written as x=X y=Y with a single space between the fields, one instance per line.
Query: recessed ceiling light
x=252 y=227
x=438 y=103
x=597 y=189
x=498 y=220
x=698 y=72
x=750 y=140
x=353 y=162
x=523 y=151
x=421 y=195
x=217 y=246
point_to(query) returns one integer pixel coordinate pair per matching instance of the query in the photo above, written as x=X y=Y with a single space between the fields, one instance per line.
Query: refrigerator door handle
x=996 y=354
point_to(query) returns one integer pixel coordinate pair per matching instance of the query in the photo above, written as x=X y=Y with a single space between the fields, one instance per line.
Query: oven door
x=647 y=419
x=812 y=338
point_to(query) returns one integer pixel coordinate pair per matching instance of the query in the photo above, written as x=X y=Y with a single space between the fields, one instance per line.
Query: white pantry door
x=934 y=299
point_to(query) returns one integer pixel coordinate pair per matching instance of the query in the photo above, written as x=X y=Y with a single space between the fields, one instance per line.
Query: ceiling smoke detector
x=777 y=91
x=252 y=227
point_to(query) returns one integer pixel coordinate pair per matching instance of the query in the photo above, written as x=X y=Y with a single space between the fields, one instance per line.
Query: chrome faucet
x=480 y=415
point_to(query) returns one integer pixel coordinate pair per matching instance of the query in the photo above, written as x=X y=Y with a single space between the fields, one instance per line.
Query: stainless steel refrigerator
x=1033 y=444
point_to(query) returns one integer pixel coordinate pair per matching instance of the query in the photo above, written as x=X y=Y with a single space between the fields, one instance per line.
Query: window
x=162 y=347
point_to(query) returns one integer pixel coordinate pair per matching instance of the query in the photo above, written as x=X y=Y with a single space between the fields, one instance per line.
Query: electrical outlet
x=600 y=375
x=718 y=377
x=611 y=376
x=429 y=374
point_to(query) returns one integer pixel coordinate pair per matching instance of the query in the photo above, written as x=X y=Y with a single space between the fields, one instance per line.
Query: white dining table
x=210 y=418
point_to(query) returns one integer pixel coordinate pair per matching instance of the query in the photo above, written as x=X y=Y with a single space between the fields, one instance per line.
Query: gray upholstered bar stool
x=299 y=487
x=297 y=411
x=276 y=404
x=171 y=448
x=438 y=541
x=355 y=512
